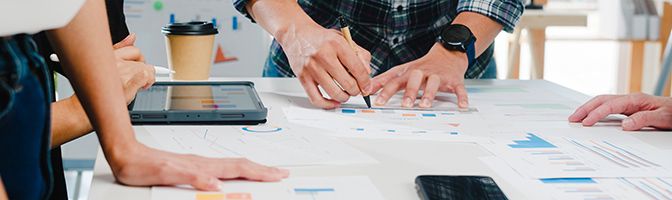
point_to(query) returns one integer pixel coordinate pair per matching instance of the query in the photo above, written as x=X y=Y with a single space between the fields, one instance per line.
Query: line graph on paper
x=267 y=145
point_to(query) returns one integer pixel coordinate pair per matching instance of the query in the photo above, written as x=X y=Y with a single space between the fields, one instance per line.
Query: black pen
x=345 y=29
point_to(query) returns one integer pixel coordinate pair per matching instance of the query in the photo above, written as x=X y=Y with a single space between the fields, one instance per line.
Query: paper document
x=582 y=188
x=557 y=154
x=308 y=188
x=384 y=123
x=265 y=144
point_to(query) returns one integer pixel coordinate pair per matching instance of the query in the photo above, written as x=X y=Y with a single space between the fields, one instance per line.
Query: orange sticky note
x=239 y=196
x=210 y=196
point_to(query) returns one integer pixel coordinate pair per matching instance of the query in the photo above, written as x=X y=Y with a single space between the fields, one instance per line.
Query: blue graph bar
x=429 y=115
x=348 y=111
x=313 y=190
x=567 y=180
x=533 y=141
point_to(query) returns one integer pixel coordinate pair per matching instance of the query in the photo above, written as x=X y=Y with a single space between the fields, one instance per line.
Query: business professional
x=429 y=45
x=87 y=57
x=133 y=73
x=643 y=110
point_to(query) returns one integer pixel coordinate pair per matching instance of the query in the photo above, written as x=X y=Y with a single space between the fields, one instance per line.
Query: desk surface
x=399 y=161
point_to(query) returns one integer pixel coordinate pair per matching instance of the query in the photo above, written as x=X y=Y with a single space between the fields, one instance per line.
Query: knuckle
x=342 y=97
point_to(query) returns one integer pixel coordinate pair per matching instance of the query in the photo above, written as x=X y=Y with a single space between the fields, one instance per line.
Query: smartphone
x=435 y=187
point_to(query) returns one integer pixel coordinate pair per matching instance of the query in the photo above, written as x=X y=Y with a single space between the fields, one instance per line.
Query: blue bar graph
x=533 y=141
x=315 y=193
x=313 y=190
x=567 y=180
x=348 y=111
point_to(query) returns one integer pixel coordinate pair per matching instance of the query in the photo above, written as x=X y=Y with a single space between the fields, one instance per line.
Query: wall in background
x=240 y=47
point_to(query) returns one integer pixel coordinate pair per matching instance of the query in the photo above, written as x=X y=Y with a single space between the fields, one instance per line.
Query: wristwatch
x=458 y=37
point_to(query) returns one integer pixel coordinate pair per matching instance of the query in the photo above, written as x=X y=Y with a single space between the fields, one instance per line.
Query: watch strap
x=471 y=51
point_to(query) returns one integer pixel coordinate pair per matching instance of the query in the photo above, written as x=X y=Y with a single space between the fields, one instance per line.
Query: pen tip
x=367 y=100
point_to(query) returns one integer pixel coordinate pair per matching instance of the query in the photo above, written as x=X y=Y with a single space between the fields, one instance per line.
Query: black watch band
x=458 y=37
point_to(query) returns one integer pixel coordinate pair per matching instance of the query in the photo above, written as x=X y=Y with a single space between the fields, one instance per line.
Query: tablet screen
x=195 y=97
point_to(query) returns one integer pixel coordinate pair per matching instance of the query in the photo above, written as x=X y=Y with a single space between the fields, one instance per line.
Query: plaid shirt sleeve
x=240 y=6
x=505 y=12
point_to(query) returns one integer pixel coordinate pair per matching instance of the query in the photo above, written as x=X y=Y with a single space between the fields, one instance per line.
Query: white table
x=399 y=161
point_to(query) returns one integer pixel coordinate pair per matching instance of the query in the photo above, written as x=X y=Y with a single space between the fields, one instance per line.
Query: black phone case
x=436 y=187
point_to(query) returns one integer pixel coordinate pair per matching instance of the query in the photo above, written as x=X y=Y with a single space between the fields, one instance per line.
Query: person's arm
x=3 y=193
x=443 y=70
x=317 y=55
x=89 y=62
x=68 y=118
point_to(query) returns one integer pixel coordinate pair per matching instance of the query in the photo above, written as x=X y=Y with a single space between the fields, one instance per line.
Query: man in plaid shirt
x=396 y=38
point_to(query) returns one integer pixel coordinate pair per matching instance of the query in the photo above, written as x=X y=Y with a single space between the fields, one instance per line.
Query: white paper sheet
x=266 y=144
x=556 y=154
x=308 y=188
x=384 y=123
x=584 y=188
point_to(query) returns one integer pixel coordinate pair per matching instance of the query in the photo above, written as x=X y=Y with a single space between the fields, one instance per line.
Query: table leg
x=636 y=66
x=514 y=55
x=537 y=48
x=665 y=28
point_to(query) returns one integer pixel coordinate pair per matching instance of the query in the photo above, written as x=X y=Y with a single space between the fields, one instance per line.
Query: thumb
x=204 y=182
x=128 y=41
x=643 y=119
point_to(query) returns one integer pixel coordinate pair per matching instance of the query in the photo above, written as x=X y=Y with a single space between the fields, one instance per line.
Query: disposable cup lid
x=190 y=28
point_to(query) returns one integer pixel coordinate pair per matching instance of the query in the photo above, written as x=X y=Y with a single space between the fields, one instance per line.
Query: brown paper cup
x=189 y=49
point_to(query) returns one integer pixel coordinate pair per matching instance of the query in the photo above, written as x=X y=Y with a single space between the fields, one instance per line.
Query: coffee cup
x=189 y=49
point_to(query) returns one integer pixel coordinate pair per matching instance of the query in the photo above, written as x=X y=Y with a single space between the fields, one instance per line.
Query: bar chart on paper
x=308 y=188
x=609 y=188
x=582 y=188
x=570 y=157
x=315 y=193
x=385 y=122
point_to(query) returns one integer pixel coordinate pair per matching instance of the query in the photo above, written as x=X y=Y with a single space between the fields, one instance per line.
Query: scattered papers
x=308 y=188
x=266 y=144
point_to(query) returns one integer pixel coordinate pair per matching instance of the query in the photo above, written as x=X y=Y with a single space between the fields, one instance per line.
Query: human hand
x=322 y=57
x=142 y=166
x=643 y=111
x=134 y=73
x=126 y=49
x=439 y=70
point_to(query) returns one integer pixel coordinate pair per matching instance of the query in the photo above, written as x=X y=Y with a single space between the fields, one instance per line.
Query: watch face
x=457 y=34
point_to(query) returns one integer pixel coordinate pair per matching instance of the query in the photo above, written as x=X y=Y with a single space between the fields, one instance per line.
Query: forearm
x=280 y=18
x=484 y=29
x=3 y=193
x=68 y=121
x=89 y=62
